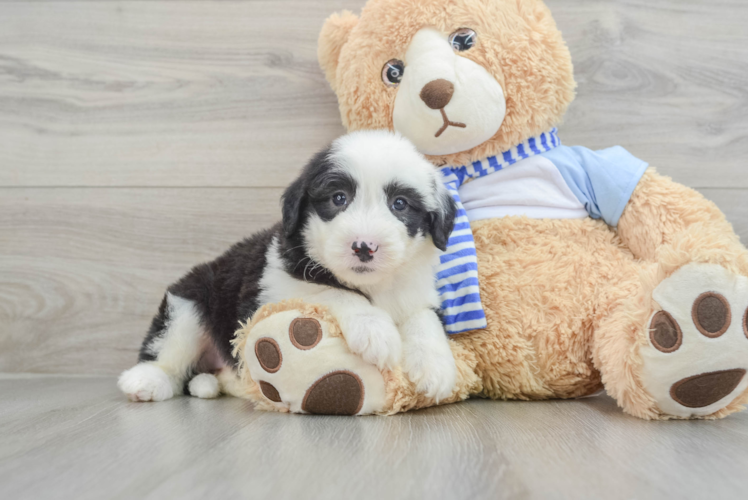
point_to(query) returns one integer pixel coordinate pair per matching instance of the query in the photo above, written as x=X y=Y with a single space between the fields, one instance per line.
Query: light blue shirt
x=603 y=181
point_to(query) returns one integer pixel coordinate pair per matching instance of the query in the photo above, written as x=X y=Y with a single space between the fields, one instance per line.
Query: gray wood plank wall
x=140 y=138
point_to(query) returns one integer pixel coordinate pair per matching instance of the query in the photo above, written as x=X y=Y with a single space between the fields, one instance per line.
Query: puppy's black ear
x=296 y=196
x=294 y=199
x=443 y=220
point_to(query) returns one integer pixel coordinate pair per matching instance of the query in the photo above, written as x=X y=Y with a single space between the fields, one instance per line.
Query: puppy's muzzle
x=365 y=252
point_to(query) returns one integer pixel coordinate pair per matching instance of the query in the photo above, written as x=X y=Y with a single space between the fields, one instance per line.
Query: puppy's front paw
x=432 y=370
x=374 y=336
x=145 y=382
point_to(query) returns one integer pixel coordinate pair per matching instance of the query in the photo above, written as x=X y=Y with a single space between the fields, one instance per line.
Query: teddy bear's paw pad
x=301 y=367
x=337 y=393
x=705 y=389
x=696 y=358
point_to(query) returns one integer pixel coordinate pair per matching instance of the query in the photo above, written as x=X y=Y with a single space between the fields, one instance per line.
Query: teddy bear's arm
x=661 y=212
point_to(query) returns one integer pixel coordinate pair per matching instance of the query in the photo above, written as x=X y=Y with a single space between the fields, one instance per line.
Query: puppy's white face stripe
x=377 y=158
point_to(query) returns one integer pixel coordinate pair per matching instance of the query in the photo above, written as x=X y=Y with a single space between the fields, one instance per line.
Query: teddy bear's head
x=462 y=79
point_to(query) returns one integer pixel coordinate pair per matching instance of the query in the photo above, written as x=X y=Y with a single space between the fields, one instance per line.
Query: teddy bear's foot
x=696 y=358
x=301 y=363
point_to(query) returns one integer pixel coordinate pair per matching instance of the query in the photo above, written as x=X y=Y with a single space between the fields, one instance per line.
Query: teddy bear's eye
x=462 y=39
x=392 y=72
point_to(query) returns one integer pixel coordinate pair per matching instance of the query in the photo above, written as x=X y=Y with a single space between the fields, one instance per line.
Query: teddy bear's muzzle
x=436 y=95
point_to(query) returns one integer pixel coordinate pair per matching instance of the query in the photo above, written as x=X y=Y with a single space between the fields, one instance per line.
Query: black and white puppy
x=361 y=230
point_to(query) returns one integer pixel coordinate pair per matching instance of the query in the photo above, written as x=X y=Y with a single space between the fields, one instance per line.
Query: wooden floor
x=76 y=438
x=138 y=138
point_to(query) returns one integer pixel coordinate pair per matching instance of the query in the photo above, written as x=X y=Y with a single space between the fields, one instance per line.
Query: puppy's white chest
x=402 y=303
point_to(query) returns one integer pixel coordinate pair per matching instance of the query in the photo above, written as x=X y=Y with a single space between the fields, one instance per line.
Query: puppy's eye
x=463 y=39
x=339 y=199
x=399 y=204
x=392 y=72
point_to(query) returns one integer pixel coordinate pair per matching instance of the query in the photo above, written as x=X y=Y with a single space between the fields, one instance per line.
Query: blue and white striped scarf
x=457 y=272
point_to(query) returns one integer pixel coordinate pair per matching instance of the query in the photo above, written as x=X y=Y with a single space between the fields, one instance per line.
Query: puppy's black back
x=224 y=292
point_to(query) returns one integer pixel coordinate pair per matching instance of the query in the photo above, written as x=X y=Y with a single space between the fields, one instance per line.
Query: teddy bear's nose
x=437 y=93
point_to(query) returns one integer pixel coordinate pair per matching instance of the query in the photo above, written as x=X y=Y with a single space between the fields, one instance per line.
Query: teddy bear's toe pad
x=697 y=355
x=305 y=333
x=270 y=392
x=301 y=367
x=268 y=355
x=665 y=333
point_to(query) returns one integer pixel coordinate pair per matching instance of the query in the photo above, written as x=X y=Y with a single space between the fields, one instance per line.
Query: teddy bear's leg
x=620 y=337
x=671 y=224
x=294 y=358
x=667 y=350
x=680 y=349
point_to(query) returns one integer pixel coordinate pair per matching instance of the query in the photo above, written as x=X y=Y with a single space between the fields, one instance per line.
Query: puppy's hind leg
x=169 y=352
x=211 y=385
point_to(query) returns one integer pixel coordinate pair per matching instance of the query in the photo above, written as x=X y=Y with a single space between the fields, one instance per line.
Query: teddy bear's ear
x=333 y=36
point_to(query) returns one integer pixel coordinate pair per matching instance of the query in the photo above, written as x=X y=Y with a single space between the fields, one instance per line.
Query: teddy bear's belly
x=544 y=284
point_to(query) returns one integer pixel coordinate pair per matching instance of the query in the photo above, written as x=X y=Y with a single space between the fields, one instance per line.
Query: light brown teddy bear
x=593 y=271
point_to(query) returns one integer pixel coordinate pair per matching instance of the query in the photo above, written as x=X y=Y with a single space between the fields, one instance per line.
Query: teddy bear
x=569 y=271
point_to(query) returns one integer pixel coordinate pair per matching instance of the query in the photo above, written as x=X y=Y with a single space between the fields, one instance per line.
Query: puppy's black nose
x=363 y=251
